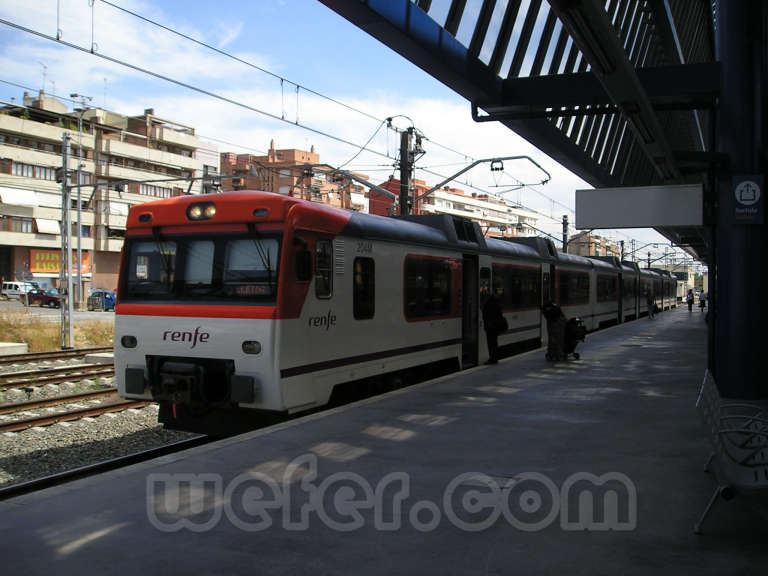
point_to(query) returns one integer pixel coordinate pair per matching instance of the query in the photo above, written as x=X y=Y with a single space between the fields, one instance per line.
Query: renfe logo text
x=184 y=336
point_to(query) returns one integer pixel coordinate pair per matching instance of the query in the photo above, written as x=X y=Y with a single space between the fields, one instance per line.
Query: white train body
x=270 y=305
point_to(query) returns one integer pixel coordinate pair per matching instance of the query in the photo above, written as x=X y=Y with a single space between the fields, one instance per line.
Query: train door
x=547 y=294
x=620 y=296
x=547 y=283
x=470 y=311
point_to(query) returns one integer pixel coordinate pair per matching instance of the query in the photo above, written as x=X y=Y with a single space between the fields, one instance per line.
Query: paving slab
x=9 y=348
x=586 y=467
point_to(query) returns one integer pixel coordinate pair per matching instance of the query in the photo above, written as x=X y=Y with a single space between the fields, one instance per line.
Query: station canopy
x=620 y=92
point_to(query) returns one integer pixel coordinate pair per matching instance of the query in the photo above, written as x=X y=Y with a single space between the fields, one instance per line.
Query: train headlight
x=251 y=347
x=201 y=211
x=128 y=341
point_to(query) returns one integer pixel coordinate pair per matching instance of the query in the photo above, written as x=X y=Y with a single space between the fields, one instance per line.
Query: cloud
x=443 y=117
x=228 y=33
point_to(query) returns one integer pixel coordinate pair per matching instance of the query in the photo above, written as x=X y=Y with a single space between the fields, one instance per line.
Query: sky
x=303 y=76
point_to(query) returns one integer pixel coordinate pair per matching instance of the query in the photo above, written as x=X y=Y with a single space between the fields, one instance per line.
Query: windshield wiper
x=260 y=251
x=166 y=259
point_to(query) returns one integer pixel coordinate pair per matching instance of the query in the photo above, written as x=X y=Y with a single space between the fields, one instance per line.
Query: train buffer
x=738 y=432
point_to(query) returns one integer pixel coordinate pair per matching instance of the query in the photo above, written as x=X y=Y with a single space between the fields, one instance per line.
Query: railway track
x=33 y=378
x=47 y=420
x=56 y=401
x=52 y=355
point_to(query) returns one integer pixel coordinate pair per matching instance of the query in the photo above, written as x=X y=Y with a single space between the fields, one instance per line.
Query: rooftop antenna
x=45 y=72
x=104 y=103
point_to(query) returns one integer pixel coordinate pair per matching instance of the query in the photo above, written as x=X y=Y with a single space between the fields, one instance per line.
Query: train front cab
x=199 y=299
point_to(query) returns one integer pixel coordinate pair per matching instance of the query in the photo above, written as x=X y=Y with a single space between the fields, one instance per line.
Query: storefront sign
x=49 y=262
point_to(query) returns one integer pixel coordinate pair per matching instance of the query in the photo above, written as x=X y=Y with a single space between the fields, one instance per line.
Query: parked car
x=50 y=298
x=101 y=300
x=15 y=289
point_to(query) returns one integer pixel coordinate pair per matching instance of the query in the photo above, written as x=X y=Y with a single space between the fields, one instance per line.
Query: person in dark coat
x=650 y=303
x=493 y=321
x=555 y=331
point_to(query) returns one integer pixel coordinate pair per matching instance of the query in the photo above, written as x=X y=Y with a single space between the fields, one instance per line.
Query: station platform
x=586 y=467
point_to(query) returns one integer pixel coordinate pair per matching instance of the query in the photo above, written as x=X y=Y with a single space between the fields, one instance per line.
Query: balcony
x=175 y=137
x=149 y=155
x=38 y=130
x=106 y=244
x=39 y=157
x=30 y=240
x=126 y=173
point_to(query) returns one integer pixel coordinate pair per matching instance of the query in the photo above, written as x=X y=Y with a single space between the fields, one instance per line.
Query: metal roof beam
x=680 y=87
x=592 y=31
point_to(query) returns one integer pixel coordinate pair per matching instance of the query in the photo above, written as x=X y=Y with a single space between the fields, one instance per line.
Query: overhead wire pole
x=405 y=169
x=81 y=110
x=65 y=273
x=565 y=235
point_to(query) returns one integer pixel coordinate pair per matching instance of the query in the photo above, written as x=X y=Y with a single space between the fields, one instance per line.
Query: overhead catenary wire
x=361 y=149
x=282 y=80
x=187 y=86
x=236 y=58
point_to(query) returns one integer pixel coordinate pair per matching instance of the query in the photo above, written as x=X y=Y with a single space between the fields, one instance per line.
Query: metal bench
x=738 y=431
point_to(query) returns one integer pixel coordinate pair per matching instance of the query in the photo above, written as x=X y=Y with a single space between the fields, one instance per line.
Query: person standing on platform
x=649 y=303
x=702 y=300
x=494 y=323
x=689 y=299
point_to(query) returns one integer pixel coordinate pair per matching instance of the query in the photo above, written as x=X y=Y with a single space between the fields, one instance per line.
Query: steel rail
x=19 y=425
x=56 y=401
x=51 y=355
x=33 y=378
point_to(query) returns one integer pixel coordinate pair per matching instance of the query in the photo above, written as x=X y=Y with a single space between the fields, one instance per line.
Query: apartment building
x=292 y=172
x=588 y=244
x=495 y=217
x=123 y=160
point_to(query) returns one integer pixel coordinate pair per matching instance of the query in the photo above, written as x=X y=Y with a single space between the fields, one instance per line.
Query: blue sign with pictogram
x=748 y=199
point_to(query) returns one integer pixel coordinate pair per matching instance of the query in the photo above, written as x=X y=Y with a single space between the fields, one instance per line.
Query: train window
x=323 y=269
x=364 y=300
x=630 y=291
x=573 y=287
x=249 y=260
x=607 y=288
x=152 y=268
x=520 y=287
x=215 y=268
x=427 y=288
x=198 y=270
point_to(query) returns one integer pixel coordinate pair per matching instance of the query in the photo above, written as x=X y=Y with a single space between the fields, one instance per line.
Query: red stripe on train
x=198 y=311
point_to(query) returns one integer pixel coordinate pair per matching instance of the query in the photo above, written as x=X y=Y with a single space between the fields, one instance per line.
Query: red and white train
x=236 y=306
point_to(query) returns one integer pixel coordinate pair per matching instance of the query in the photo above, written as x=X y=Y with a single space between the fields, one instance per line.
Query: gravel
x=39 y=452
x=59 y=363
x=16 y=395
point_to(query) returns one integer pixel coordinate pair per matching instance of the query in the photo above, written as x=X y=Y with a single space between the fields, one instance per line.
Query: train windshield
x=221 y=269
